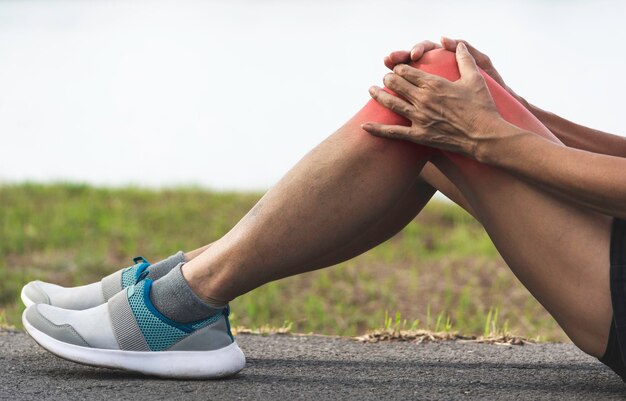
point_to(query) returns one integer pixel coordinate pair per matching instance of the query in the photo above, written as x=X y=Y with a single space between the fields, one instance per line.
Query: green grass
x=441 y=271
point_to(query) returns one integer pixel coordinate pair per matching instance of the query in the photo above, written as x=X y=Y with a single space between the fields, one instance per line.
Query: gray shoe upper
x=76 y=298
x=212 y=337
x=94 y=294
x=111 y=285
x=36 y=295
x=114 y=325
x=130 y=336
x=125 y=327
x=63 y=332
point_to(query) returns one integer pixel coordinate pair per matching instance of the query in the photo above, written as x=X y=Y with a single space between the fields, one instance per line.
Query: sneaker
x=85 y=296
x=129 y=333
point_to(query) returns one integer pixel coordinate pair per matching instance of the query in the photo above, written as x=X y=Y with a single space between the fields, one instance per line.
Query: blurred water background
x=230 y=94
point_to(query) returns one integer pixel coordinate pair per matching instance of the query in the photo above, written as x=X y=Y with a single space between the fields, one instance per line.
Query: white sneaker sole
x=27 y=301
x=168 y=364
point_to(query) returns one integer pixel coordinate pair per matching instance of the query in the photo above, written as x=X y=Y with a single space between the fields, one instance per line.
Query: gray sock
x=160 y=269
x=173 y=297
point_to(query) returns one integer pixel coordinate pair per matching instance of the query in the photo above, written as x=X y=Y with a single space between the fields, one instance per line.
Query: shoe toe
x=35 y=317
x=32 y=293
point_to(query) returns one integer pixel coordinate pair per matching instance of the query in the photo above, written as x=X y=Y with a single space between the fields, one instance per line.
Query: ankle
x=191 y=255
x=207 y=287
x=172 y=296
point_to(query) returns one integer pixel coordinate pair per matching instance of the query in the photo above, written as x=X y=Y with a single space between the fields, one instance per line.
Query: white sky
x=230 y=94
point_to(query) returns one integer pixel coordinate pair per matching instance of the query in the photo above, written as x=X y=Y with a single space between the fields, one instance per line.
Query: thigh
x=558 y=250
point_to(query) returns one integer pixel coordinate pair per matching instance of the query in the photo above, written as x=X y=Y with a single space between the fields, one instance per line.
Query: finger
x=397 y=57
x=448 y=44
x=419 y=49
x=451 y=44
x=467 y=64
x=387 y=62
x=473 y=51
x=401 y=86
x=413 y=75
x=391 y=102
x=388 y=131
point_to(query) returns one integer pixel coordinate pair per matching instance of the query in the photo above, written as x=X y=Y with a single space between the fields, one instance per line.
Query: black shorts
x=614 y=355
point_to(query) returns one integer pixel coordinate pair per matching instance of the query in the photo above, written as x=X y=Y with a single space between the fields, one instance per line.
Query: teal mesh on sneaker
x=159 y=331
x=132 y=274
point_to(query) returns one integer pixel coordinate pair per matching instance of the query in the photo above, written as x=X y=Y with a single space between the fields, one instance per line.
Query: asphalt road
x=321 y=368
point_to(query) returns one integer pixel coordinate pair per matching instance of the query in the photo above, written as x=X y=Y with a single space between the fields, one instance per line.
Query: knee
x=439 y=62
x=443 y=63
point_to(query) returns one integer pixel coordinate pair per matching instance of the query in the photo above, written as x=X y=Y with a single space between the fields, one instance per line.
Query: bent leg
x=334 y=203
x=351 y=181
x=407 y=207
x=430 y=180
x=558 y=250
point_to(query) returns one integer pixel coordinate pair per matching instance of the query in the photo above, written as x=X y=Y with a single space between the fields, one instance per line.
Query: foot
x=129 y=333
x=85 y=296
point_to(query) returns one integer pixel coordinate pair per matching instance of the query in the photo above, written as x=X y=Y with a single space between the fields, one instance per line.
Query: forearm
x=578 y=136
x=592 y=180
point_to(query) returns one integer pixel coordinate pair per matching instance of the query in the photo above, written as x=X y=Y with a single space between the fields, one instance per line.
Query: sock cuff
x=178 y=271
x=161 y=268
x=174 y=298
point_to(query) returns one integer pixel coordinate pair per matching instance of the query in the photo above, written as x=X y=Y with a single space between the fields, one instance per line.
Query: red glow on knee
x=439 y=62
x=443 y=63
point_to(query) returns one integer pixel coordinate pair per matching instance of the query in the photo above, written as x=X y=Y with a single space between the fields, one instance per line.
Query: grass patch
x=398 y=330
x=441 y=270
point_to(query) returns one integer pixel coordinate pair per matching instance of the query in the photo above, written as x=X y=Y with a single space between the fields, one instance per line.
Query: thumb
x=467 y=64
x=448 y=44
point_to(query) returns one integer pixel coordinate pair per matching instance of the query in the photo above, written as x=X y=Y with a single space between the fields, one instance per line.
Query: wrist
x=495 y=142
